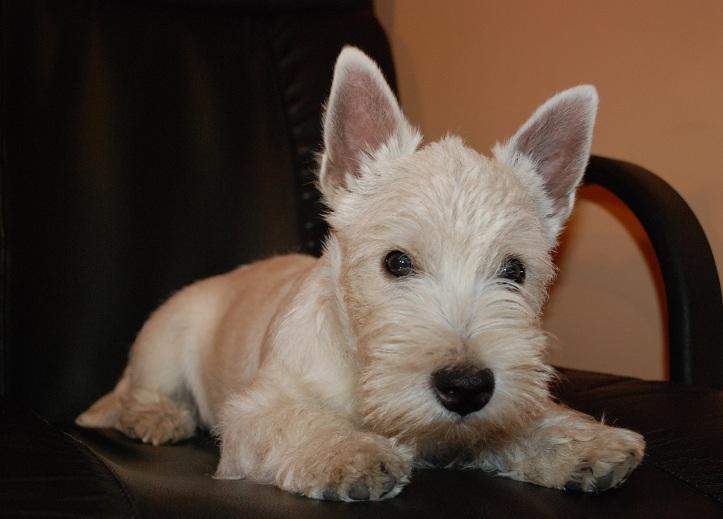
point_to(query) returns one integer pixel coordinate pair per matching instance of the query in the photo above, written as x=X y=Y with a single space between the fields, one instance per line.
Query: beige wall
x=479 y=68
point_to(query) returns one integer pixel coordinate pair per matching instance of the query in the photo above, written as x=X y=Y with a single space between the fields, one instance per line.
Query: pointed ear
x=557 y=140
x=362 y=120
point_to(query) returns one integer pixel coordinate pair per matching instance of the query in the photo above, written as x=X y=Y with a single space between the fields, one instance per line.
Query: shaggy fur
x=317 y=375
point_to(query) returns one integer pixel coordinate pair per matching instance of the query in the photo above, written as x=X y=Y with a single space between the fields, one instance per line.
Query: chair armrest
x=692 y=286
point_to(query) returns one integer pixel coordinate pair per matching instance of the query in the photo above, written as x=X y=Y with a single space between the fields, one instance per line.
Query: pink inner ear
x=558 y=159
x=362 y=118
x=558 y=140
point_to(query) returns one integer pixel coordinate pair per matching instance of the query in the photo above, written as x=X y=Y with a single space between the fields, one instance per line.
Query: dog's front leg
x=308 y=449
x=569 y=450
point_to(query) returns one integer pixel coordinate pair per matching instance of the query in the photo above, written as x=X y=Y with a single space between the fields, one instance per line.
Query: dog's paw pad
x=365 y=488
x=575 y=486
x=359 y=490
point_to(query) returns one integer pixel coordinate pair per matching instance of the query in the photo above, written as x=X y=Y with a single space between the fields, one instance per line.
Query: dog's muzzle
x=463 y=390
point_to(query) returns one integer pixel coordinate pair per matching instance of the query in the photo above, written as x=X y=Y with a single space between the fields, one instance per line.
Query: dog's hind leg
x=105 y=411
x=154 y=418
x=140 y=413
x=153 y=400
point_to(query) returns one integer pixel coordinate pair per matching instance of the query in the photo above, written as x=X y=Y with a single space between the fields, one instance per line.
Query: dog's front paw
x=606 y=460
x=362 y=468
x=569 y=450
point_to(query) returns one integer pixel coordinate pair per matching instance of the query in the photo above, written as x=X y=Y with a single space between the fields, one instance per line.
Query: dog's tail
x=106 y=411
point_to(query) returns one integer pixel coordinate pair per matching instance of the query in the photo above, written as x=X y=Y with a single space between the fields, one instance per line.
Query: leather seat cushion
x=106 y=474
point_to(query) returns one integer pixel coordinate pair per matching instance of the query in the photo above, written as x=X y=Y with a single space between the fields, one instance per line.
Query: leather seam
x=565 y=377
x=114 y=474
x=279 y=83
x=304 y=175
x=683 y=480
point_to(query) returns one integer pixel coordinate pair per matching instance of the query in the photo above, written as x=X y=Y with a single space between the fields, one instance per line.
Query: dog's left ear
x=557 y=140
x=362 y=120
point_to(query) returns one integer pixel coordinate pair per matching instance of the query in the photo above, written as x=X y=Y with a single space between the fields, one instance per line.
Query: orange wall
x=479 y=68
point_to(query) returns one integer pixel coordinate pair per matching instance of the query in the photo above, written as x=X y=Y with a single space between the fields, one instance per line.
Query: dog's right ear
x=362 y=122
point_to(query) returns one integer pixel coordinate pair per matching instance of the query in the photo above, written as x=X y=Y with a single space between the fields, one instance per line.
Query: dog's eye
x=514 y=270
x=398 y=263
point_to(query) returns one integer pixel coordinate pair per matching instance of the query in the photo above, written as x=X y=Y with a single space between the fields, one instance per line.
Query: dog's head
x=443 y=256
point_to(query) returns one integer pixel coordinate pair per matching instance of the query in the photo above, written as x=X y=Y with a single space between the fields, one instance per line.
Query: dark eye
x=514 y=270
x=398 y=264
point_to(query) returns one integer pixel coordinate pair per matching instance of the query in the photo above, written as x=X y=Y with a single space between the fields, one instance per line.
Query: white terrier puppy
x=413 y=341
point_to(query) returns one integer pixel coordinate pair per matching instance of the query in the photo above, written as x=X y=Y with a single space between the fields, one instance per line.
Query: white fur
x=317 y=374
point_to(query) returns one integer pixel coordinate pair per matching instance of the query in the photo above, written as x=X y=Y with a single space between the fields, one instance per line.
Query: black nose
x=463 y=390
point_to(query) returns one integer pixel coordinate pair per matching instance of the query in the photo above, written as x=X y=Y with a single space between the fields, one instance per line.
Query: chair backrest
x=147 y=145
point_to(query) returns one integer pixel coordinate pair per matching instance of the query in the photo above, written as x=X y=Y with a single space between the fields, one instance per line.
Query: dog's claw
x=586 y=481
x=389 y=483
x=604 y=482
x=330 y=494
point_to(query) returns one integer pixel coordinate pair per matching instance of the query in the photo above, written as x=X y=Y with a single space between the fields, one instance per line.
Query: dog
x=414 y=341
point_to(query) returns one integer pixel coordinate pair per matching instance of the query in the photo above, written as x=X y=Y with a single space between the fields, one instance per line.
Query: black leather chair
x=146 y=144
